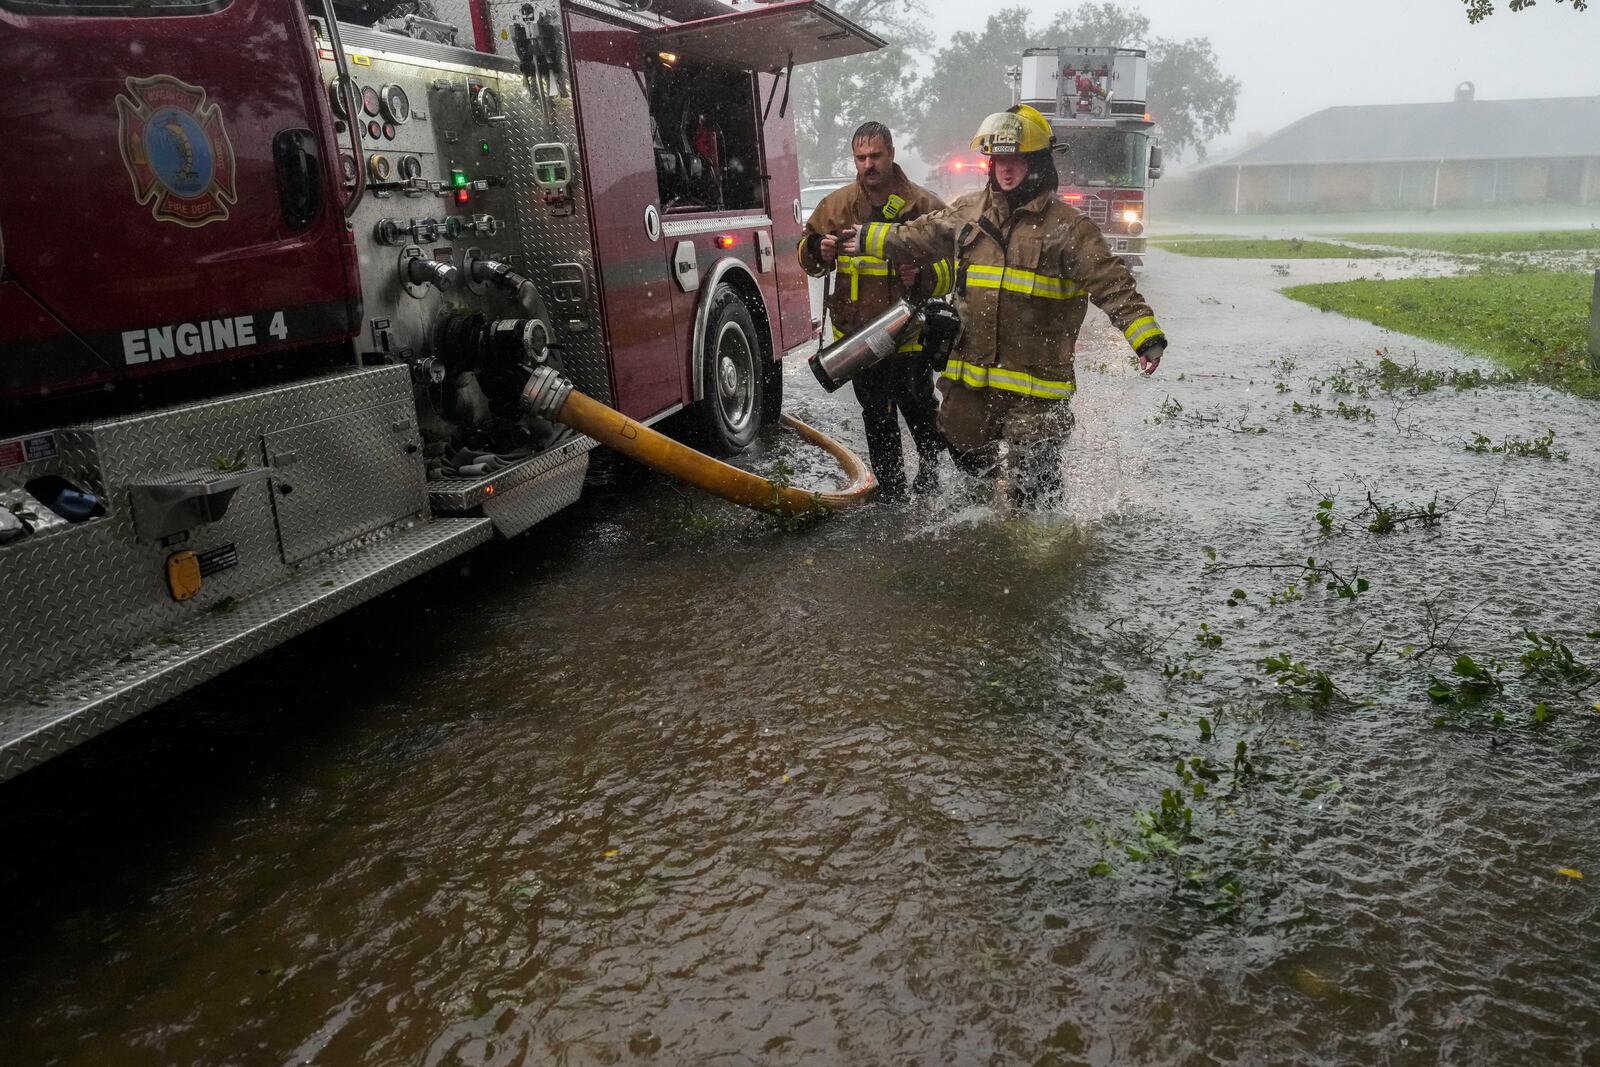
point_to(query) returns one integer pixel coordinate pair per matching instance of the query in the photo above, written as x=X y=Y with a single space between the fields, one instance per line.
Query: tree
x=1191 y=100
x=968 y=82
x=1478 y=10
x=831 y=99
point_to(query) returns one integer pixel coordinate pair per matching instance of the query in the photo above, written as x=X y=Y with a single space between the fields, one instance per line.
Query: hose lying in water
x=551 y=396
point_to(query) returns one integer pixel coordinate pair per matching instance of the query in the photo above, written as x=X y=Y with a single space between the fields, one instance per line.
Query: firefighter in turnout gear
x=864 y=286
x=1027 y=266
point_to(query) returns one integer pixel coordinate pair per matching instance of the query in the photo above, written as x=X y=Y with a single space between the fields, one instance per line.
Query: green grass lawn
x=1166 y=238
x=1485 y=243
x=1536 y=324
x=1265 y=248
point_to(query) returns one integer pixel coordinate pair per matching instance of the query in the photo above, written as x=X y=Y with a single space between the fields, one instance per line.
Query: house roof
x=1552 y=128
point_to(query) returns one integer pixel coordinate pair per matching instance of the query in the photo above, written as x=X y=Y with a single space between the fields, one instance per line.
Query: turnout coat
x=1023 y=281
x=868 y=283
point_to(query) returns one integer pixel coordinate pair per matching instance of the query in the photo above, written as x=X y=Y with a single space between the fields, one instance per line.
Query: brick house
x=1464 y=153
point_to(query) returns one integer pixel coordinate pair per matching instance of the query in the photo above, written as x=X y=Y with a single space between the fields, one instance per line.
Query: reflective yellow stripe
x=943 y=278
x=1011 y=381
x=872 y=241
x=1026 y=282
x=863 y=265
x=1141 y=330
x=857 y=267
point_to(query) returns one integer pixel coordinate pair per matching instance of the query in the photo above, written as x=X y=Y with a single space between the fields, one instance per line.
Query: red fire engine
x=959 y=174
x=271 y=282
x=1095 y=100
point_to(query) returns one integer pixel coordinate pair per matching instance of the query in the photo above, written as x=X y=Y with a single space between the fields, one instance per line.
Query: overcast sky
x=1293 y=57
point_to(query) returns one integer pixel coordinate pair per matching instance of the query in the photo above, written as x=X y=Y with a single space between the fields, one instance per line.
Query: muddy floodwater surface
x=664 y=782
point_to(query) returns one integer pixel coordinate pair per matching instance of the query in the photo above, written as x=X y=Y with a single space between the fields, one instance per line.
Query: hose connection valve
x=441 y=276
x=545 y=393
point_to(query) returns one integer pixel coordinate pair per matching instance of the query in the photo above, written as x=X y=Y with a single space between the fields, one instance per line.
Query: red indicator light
x=462 y=196
x=325 y=53
x=725 y=240
x=488 y=490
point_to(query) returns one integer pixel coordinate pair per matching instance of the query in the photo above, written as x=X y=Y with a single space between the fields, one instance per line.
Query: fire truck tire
x=771 y=391
x=730 y=414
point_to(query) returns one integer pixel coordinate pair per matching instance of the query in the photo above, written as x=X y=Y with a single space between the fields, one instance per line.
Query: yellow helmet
x=1017 y=131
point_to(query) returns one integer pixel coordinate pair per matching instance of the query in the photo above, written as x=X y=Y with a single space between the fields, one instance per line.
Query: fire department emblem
x=176 y=150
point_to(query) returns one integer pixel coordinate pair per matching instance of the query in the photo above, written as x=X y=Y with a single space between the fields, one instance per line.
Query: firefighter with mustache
x=1026 y=267
x=864 y=287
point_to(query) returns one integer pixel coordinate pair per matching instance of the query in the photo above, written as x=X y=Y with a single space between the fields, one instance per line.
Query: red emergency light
x=1071 y=197
x=962 y=164
x=724 y=240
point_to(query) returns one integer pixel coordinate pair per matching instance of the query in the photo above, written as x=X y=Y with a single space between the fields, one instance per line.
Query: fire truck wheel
x=730 y=414
x=771 y=391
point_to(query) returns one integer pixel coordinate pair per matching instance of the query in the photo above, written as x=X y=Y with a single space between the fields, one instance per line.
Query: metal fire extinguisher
x=879 y=339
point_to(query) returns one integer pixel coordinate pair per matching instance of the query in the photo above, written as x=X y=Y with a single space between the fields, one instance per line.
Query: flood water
x=661 y=782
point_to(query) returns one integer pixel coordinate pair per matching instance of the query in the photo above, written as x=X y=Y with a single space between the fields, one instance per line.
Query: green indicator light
x=486 y=148
x=458 y=177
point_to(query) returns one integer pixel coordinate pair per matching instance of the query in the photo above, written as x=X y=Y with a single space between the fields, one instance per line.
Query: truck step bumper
x=48 y=718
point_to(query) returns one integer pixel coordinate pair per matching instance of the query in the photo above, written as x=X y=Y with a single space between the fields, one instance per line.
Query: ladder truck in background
x=1095 y=99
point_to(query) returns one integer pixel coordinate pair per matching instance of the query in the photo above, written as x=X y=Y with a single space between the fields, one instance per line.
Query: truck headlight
x=1130 y=215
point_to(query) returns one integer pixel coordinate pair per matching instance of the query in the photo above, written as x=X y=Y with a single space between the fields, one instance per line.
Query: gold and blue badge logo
x=176 y=150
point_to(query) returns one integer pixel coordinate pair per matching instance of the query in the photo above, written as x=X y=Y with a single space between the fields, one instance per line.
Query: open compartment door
x=769 y=39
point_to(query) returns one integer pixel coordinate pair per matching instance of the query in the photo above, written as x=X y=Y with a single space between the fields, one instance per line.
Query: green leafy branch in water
x=1391 y=377
x=1550 y=661
x=1475 y=695
x=1165 y=834
x=1354 y=413
x=1537 y=448
x=1346 y=588
x=1306 y=686
x=1172 y=410
x=1380 y=518
x=782 y=477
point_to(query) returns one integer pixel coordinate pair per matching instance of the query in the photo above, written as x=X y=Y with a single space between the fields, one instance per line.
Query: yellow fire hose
x=549 y=395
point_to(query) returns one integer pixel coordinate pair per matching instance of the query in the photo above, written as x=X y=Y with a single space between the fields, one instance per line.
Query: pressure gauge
x=396 y=104
x=369 y=100
x=379 y=167
x=409 y=167
x=339 y=100
x=348 y=167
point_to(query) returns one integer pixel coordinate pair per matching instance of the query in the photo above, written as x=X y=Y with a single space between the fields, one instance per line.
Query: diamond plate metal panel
x=47 y=718
x=374 y=477
x=95 y=586
x=465 y=494
x=513 y=512
x=42 y=519
x=540 y=114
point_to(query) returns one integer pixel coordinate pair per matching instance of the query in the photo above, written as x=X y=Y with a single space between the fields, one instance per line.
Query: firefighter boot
x=881 y=419
x=920 y=407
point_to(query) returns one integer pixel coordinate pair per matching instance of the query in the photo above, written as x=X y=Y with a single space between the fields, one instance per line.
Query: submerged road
x=664 y=782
